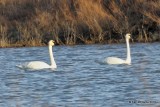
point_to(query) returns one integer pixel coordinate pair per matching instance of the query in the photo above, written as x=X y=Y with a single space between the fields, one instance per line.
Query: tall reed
x=34 y=22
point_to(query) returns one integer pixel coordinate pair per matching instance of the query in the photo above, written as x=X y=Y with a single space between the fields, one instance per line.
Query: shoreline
x=43 y=45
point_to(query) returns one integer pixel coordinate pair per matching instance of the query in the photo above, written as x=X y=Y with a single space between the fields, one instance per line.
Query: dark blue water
x=82 y=79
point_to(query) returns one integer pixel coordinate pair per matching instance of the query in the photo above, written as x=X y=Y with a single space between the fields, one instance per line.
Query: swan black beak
x=131 y=38
x=53 y=41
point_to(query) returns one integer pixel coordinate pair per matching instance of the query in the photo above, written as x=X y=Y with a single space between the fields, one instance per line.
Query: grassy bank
x=34 y=22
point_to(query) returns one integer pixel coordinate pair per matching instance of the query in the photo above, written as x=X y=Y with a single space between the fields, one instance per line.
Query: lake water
x=82 y=79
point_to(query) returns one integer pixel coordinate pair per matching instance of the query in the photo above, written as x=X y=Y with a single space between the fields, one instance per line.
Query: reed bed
x=70 y=22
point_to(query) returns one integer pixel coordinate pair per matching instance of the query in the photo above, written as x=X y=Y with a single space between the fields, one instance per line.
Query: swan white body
x=38 y=65
x=115 y=60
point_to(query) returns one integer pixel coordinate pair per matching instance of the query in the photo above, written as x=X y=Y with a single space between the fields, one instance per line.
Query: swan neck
x=128 y=52
x=51 y=56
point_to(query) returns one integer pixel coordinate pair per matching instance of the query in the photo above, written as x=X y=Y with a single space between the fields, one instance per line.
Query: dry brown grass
x=34 y=22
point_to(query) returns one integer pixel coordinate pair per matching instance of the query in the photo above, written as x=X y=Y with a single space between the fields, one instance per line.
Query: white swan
x=115 y=60
x=38 y=65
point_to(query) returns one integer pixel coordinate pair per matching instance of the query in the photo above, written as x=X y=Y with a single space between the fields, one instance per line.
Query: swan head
x=51 y=43
x=128 y=36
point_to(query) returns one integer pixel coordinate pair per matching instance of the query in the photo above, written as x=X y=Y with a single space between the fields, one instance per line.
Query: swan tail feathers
x=19 y=66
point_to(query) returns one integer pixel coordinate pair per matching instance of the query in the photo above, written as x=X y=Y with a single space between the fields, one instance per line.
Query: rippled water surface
x=82 y=79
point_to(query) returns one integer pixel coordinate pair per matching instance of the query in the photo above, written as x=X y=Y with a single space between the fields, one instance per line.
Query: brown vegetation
x=34 y=22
